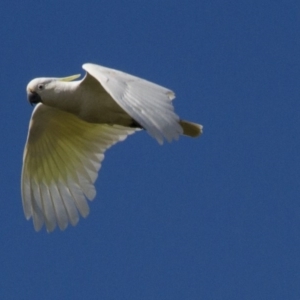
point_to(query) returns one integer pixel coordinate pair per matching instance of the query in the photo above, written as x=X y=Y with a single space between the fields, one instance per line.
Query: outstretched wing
x=61 y=161
x=147 y=103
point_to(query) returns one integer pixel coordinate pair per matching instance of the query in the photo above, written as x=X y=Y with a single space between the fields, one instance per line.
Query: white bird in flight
x=72 y=125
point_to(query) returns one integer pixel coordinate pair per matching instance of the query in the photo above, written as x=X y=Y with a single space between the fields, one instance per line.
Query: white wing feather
x=147 y=103
x=61 y=161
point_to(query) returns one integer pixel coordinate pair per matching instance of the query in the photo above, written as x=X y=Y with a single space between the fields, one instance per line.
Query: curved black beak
x=34 y=98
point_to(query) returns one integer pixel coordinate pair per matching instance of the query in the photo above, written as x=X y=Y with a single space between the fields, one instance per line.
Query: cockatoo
x=73 y=123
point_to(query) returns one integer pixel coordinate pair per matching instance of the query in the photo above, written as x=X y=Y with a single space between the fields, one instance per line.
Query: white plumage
x=72 y=125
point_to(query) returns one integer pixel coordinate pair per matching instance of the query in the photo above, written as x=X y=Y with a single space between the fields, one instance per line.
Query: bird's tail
x=191 y=129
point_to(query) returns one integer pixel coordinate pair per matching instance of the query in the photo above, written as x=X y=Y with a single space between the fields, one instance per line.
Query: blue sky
x=211 y=218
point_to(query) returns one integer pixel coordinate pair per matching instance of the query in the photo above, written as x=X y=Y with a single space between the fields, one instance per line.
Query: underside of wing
x=147 y=103
x=61 y=161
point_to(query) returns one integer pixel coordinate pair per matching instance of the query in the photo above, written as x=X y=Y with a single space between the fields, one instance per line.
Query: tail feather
x=191 y=129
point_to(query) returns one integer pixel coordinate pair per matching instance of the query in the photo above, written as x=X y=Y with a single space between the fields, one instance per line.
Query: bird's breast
x=101 y=108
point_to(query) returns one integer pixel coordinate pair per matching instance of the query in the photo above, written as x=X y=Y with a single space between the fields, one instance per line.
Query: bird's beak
x=69 y=78
x=33 y=98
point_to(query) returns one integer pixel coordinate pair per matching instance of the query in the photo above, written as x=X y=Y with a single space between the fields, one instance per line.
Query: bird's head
x=41 y=89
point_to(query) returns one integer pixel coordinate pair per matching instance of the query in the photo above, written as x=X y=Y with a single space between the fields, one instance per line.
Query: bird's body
x=86 y=99
x=72 y=126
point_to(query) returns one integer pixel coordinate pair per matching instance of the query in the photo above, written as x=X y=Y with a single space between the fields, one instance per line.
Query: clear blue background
x=211 y=218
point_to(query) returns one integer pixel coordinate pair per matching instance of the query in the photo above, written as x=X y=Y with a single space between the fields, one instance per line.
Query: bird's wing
x=61 y=161
x=147 y=103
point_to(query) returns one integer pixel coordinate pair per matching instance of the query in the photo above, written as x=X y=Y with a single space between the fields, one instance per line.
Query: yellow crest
x=69 y=78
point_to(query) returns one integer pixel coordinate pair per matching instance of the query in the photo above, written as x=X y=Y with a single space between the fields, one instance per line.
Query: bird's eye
x=40 y=87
